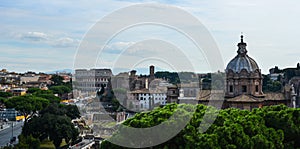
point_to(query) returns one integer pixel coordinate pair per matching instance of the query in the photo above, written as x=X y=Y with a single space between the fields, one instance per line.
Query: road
x=83 y=144
x=5 y=134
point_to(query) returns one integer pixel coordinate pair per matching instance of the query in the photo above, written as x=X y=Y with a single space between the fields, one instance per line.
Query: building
x=146 y=91
x=140 y=82
x=18 y=91
x=243 y=87
x=243 y=76
x=9 y=114
x=146 y=99
x=88 y=81
x=120 y=80
x=188 y=92
x=172 y=94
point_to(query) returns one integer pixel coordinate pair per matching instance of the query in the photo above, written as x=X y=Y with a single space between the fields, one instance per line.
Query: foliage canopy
x=267 y=127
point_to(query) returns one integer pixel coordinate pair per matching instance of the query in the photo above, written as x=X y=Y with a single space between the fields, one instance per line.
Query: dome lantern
x=242 y=47
x=242 y=60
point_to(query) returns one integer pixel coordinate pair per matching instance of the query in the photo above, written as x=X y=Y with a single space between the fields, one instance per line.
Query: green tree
x=72 y=111
x=63 y=129
x=38 y=92
x=32 y=90
x=2 y=100
x=57 y=80
x=267 y=127
x=47 y=94
x=54 y=122
x=28 y=105
x=172 y=77
x=285 y=119
x=5 y=94
x=60 y=89
x=53 y=126
x=27 y=142
x=270 y=85
x=50 y=97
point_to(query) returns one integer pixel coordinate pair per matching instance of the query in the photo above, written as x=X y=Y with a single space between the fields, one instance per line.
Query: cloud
x=117 y=47
x=33 y=36
x=65 y=42
x=56 y=41
x=50 y=25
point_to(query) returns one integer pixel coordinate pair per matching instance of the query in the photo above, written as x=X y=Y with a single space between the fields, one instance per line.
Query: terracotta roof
x=274 y=96
x=245 y=98
x=143 y=91
x=211 y=95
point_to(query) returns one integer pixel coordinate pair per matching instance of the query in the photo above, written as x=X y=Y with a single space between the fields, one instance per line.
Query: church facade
x=243 y=87
x=243 y=76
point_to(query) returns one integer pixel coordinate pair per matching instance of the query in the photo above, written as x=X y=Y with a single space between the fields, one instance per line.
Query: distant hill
x=60 y=71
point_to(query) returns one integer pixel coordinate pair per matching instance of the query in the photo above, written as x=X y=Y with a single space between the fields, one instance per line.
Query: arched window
x=231 y=88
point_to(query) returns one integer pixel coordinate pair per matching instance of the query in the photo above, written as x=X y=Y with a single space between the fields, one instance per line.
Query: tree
x=57 y=80
x=172 y=77
x=267 y=127
x=50 y=97
x=60 y=89
x=27 y=142
x=56 y=127
x=62 y=128
x=270 y=85
x=6 y=94
x=32 y=90
x=2 y=99
x=53 y=122
x=27 y=105
x=72 y=111
x=38 y=92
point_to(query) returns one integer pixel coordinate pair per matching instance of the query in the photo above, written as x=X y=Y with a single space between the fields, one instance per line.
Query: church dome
x=242 y=60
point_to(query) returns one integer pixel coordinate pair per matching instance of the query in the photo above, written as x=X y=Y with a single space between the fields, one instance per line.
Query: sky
x=48 y=35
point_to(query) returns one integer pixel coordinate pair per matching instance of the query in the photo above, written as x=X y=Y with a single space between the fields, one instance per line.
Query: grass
x=110 y=124
x=47 y=144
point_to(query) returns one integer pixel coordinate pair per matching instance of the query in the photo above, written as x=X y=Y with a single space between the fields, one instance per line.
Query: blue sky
x=44 y=35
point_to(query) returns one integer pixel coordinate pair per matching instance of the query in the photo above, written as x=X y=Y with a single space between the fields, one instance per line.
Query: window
x=231 y=88
x=141 y=98
x=256 y=88
x=244 y=88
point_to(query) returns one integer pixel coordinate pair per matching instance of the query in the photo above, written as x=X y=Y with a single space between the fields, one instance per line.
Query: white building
x=146 y=99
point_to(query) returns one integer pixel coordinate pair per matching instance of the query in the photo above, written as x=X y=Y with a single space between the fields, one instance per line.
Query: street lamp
x=12 y=132
x=12 y=129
